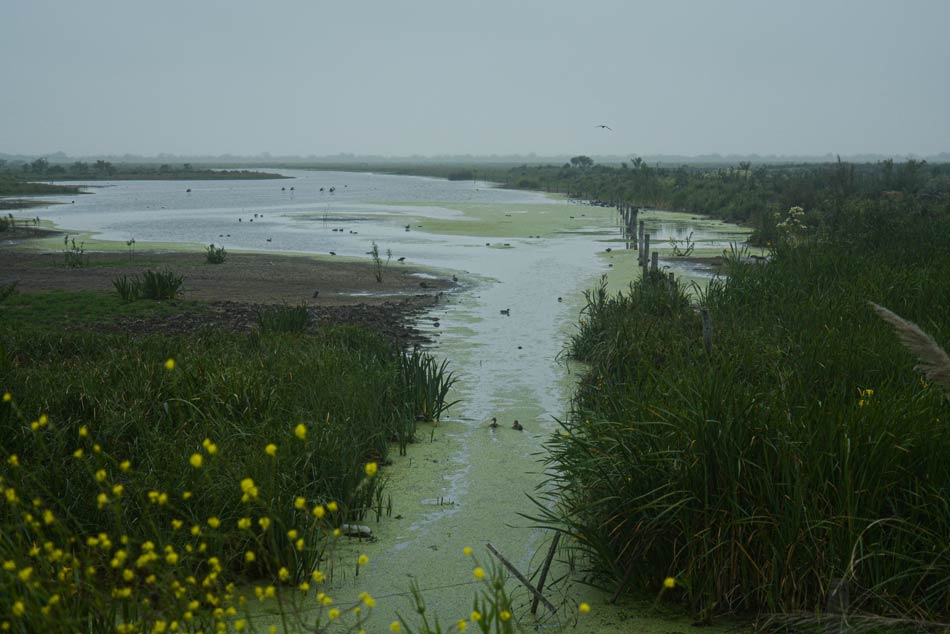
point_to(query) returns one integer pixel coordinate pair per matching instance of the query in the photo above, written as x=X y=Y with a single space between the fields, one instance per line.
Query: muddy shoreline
x=230 y=295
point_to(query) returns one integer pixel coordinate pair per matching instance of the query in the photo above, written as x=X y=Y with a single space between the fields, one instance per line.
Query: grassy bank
x=149 y=480
x=13 y=185
x=801 y=447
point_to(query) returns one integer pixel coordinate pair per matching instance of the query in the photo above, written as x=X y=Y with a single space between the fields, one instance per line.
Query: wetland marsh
x=531 y=255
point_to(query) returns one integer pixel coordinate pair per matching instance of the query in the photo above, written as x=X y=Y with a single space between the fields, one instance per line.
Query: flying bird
x=604 y=126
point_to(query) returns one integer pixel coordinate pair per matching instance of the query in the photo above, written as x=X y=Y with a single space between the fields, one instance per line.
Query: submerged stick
x=544 y=570
x=521 y=578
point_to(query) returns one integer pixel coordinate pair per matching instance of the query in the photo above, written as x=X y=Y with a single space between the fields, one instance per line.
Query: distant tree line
x=757 y=196
x=41 y=168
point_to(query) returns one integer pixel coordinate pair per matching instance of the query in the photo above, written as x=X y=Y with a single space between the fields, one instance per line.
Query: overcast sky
x=399 y=77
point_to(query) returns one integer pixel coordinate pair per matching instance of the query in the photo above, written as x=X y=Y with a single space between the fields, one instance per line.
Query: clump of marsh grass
x=378 y=265
x=287 y=319
x=129 y=289
x=161 y=285
x=74 y=255
x=215 y=255
x=156 y=285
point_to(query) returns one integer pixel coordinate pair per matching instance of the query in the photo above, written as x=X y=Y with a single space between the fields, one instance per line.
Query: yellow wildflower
x=249 y=489
x=170 y=365
x=319 y=511
x=479 y=573
x=214 y=522
x=13 y=461
x=394 y=626
x=669 y=583
x=271 y=449
x=300 y=431
x=83 y=431
x=371 y=468
x=101 y=475
x=244 y=523
x=196 y=460
x=333 y=614
x=363 y=560
x=249 y=556
x=467 y=551
x=504 y=615
x=264 y=522
x=125 y=465
x=475 y=616
x=583 y=608
x=7 y=397
x=332 y=507
x=300 y=504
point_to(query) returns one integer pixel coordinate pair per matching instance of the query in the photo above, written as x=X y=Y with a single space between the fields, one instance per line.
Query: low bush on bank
x=215 y=255
x=801 y=449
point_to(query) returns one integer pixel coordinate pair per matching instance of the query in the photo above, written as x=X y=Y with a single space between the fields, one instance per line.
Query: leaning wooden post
x=654 y=261
x=640 y=235
x=672 y=287
x=645 y=255
x=544 y=570
x=521 y=578
x=707 y=330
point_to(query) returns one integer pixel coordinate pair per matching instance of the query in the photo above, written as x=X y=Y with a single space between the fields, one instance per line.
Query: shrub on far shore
x=215 y=255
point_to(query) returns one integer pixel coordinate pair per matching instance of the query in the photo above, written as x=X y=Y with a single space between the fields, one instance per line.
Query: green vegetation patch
x=59 y=309
x=775 y=435
x=132 y=465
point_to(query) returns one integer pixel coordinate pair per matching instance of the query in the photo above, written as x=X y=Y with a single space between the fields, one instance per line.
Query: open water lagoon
x=462 y=484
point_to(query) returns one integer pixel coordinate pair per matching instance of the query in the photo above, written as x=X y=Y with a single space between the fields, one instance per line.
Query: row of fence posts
x=632 y=226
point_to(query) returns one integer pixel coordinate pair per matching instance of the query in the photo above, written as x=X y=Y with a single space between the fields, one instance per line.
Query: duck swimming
x=494 y=423
x=516 y=425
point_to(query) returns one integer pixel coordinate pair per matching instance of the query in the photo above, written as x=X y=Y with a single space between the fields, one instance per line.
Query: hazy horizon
x=432 y=78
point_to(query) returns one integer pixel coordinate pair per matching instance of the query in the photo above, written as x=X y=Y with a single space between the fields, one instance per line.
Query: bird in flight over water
x=604 y=126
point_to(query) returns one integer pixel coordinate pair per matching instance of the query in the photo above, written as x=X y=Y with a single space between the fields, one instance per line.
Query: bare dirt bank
x=231 y=293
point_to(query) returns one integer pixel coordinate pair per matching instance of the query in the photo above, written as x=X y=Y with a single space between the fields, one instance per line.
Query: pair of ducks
x=515 y=425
